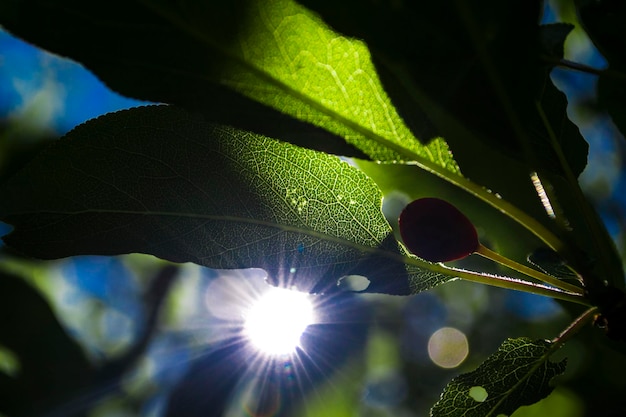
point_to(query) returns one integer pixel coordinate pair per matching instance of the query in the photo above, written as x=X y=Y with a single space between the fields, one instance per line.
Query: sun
x=275 y=322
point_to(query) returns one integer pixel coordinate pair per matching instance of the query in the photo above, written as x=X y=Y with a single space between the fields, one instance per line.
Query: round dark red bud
x=436 y=231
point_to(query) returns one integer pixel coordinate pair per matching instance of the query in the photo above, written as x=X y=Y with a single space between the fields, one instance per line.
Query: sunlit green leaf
x=157 y=180
x=275 y=52
x=518 y=373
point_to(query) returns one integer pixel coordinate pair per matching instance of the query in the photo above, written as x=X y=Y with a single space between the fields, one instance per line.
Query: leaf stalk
x=575 y=327
x=504 y=282
x=533 y=273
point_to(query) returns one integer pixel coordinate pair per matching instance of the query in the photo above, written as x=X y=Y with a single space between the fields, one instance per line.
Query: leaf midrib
x=236 y=219
x=538 y=362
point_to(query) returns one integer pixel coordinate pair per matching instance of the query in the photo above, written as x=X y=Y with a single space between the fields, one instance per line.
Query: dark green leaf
x=569 y=141
x=51 y=363
x=157 y=180
x=611 y=93
x=196 y=54
x=603 y=20
x=479 y=73
x=518 y=373
x=604 y=23
x=552 y=263
x=474 y=67
x=552 y=38
x=479 y=80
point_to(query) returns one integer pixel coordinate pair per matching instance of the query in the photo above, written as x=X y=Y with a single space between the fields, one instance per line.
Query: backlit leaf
x=158 y=180
x=604 y=23
x=196 y=54
x=518 y=373
x=468 y=66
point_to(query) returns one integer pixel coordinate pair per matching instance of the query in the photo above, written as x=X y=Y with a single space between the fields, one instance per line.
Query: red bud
x=436 y=231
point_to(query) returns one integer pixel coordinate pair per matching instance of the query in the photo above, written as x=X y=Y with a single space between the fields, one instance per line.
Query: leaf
x=481 y=73
x=611 y=92
x=604 y=23
x=478 y=81
x=551 y=263
x=401 y=183
x=192 y=53
x=51 y=363
x=158 y=180
x=552 y=39
x=484 y=83
x=518 y=373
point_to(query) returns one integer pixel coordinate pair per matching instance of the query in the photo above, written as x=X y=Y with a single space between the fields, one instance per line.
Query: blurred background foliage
x=131 y=335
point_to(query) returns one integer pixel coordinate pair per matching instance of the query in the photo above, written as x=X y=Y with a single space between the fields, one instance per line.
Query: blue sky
x=54 y=94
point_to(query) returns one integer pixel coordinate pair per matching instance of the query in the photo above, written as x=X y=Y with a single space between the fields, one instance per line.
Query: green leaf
x=402 y=183
x=481 y=73
x=604 y=23
x=611 y=92
x=478 y=81
x=193 y=53
x=158 y=180
x=552 y=39
x=484 y=83
x=518 y=373
x=51 y=363
x=551 y=263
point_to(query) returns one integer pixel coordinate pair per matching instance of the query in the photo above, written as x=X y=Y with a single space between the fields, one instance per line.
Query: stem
x=577 y=66
x=565 y=63
x=505 y=282
x=519 y=285
x=533 y=273
x=575 y=327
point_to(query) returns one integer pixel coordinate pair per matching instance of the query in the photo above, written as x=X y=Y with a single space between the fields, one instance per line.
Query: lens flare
x=448 y=347
x=276 y=321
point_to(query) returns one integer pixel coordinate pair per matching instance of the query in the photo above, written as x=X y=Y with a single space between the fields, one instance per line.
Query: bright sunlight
x=275 y=322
